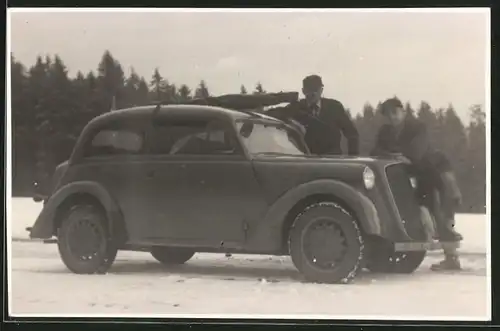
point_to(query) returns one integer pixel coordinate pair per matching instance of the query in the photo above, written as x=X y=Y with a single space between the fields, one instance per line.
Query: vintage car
x=217 y=176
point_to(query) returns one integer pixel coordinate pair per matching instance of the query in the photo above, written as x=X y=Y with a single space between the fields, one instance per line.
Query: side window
x=169 y=138
x=190 y=138
x=109 y=142
x=219 y=140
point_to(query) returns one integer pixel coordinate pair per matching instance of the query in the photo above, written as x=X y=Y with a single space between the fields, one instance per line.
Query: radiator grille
x=406 y=201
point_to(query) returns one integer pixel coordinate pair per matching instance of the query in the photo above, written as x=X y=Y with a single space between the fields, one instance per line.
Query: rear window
x=115 y=142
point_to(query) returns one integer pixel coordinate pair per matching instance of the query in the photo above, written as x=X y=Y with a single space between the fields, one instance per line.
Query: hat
x=390 y=104
x=312 y=82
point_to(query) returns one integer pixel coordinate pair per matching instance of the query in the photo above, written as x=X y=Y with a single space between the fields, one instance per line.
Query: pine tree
x=171 y=93
x=158 y=85
x=38 y=91
x=474 y=198
x=366 y=129
x=428 y=117
x=23 y=126
x=132 y=89
x=143 y=93
x=202 y=91
x=84 y=99
x=439 y=133
x=455 y=142
x=111 y=80
x=19 y=86
x=93 y=97
x=409 y=110
x=243 y=90
x=91 y=80
x=184 y=93
x=259 y=89
x=62 y=111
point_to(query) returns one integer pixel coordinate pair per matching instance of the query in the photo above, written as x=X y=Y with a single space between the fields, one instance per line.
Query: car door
x=113 y=157
x=206 y=189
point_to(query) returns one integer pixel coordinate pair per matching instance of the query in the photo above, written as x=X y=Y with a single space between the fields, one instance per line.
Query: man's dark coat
x=323 y=132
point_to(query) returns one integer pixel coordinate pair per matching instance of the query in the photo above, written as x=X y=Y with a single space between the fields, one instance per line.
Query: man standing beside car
x=322 y=120
x=437 y=185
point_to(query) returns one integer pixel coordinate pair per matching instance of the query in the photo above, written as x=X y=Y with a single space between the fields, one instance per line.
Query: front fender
x=268 y=234
x=44 y=224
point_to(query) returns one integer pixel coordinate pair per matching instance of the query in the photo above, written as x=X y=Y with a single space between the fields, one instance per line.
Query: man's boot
x=450 y=263
x=451 y=260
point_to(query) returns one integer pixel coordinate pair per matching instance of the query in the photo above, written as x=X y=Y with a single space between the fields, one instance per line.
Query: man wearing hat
x=323 y=120
x=437 y=185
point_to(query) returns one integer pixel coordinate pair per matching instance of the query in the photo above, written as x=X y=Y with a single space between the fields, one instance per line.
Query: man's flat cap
x=312 y=82
x=390 y=104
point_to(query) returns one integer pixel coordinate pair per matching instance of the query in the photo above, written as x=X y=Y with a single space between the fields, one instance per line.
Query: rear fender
x=269 y=233
x=44 y=226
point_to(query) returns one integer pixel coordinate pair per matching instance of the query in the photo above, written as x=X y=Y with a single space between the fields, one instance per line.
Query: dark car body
x=232 y=201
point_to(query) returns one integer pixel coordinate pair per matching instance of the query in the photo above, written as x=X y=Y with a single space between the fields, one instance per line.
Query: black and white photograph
x=249 y=163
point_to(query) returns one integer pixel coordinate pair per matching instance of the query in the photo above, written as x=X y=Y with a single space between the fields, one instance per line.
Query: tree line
x=49 y=110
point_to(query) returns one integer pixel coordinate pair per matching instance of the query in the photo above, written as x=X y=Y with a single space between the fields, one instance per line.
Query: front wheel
x=172 y=256
x=84 y=243
x=326 y=244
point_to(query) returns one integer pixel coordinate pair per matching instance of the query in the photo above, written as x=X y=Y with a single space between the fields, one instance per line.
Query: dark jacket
x=414 y=143
x=324 y=133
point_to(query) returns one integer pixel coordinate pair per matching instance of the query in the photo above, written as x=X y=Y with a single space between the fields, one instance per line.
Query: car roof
x=176 y=110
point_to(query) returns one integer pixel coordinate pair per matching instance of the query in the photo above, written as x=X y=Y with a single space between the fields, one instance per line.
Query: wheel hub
x=325 y=244
x=84 y=239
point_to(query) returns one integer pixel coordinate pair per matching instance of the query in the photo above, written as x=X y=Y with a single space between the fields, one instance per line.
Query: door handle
x=150 y=174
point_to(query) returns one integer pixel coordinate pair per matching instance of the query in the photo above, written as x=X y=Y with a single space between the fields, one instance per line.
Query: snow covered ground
x=241 y=286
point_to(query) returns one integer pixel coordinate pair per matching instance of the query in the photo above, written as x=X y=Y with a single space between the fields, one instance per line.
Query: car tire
x=172 y=256
x=84 y=242
x=332 y=233
x=387 y=260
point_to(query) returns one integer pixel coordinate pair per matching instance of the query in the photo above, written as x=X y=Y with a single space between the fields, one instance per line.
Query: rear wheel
x=172 y=256
x=326 y=244
x=84 y=242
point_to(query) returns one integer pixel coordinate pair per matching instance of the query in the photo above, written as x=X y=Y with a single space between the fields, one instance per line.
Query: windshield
x=264 y=138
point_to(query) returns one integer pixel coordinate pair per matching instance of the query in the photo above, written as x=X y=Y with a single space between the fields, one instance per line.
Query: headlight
x=413 y=182
x=369 y=178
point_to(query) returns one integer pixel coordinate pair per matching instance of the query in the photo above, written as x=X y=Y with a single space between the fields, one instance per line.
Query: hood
x=330 y=159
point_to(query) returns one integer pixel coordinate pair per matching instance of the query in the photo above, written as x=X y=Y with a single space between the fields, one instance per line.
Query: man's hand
x=398 y=157
x=451 y=188
x=297 y=125
x=404 y=159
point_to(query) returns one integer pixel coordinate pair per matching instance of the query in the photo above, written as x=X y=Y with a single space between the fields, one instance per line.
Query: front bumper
x=430 y=244
x=425 y=246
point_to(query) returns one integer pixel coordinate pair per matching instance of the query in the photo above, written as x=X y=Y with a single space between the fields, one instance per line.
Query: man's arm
x=348 y=129
x=381 y=148
x=281 y=113
x=418 y=145
x=286 y=115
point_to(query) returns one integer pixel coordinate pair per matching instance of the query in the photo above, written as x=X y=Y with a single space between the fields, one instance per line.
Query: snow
x=213 y=284
x=244 y=286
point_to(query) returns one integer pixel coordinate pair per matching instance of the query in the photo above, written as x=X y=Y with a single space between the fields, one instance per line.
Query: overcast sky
x=438 y=57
